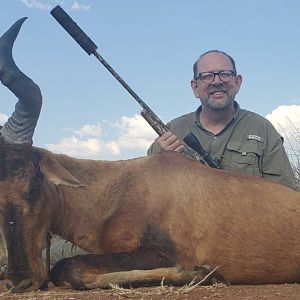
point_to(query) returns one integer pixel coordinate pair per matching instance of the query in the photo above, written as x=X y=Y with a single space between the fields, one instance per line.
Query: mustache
x=219 y=88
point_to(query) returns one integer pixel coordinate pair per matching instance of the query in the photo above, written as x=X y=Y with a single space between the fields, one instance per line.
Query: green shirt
x=249 y=144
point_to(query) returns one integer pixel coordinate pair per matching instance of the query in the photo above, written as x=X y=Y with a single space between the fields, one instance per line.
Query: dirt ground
x=250 y=292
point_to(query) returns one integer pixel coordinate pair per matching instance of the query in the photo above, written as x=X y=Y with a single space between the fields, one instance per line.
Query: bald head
x=197 y=67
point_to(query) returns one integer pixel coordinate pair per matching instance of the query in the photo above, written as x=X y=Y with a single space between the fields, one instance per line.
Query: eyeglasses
x=209 y=77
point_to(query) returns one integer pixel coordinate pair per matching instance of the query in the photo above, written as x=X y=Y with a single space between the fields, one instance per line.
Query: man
x=241 y=140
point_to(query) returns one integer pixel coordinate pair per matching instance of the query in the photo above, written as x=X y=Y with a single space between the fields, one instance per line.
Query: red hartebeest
x=144 y=219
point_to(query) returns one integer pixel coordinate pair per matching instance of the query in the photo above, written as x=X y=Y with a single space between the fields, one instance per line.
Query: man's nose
x=217 y=80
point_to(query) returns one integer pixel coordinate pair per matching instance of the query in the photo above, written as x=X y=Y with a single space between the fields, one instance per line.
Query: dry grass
x=116 y=292
x=157 y=292
x=163 y=290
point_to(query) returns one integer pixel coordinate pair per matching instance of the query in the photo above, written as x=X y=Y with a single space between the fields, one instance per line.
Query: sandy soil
x=250 y=292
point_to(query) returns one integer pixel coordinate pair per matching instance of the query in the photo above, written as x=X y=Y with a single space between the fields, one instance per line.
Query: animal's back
x=248 y=226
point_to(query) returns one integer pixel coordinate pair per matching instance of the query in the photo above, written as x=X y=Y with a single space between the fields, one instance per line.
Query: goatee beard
x=219 y=106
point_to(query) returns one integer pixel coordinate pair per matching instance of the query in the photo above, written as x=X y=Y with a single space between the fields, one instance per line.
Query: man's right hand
x=169 y=141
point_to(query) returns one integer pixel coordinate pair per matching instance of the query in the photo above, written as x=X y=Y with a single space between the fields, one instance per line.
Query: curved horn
x=20 y=126
x=7 y=41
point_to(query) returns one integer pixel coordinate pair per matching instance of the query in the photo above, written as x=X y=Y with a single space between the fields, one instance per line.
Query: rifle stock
x=91 y=48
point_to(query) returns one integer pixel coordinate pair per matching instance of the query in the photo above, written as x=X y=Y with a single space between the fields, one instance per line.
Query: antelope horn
x=21 y=125
x=7 y=41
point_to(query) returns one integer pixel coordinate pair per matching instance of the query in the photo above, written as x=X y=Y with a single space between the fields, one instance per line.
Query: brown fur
x=187 y=213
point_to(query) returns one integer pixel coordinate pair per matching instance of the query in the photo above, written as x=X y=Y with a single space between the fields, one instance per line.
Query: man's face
x=216 y=95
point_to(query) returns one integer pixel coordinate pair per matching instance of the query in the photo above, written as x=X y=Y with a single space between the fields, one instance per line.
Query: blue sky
x=152 y=45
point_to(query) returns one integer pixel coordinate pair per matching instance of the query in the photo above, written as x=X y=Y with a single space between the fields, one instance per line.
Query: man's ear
x=194 y=86
x=238 y=81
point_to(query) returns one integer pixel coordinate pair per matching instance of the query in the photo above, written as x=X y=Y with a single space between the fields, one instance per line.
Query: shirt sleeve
x=275 y=163
x=154 y=148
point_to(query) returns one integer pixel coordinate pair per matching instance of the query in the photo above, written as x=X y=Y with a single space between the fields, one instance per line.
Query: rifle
x=194 y=149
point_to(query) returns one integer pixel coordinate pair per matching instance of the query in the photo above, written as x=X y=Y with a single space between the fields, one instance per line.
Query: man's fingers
x=166 y=136
x=180 y=148
x=172 y=144
x=169 y=141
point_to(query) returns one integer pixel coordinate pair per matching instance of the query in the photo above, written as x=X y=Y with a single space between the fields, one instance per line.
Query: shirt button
x=215 y=137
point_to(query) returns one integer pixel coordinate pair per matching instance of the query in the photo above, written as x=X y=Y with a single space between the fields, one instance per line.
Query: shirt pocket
x=243 y=157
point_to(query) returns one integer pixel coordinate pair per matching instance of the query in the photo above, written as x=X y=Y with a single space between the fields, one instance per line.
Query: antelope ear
x=57 y=174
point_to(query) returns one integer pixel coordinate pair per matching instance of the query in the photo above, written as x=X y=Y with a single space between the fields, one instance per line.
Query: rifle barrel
x=86 y=43
x=91 y=48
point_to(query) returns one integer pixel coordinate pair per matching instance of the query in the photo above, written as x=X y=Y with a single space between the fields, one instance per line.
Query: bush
x=292 y=146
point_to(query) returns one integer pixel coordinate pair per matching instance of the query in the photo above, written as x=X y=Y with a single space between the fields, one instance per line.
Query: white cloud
x=49 y=4
x=36 y=4
x=89 y=130
x=128 y=137
x=3 y=118
x=78 y=6
x=135 y=132
x=286 y=119
x=77 y=147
